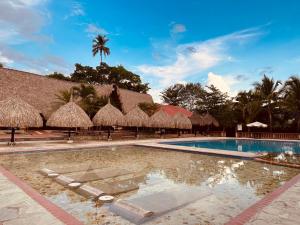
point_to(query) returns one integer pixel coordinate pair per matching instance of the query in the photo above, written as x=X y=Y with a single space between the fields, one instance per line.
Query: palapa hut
x=16 y=113
x=70 y=116
x=41 y=91
x=136 y=118
x=160 y=120
x=210 y=120
x=108 y=116
x=197 y=120
x=182 y=122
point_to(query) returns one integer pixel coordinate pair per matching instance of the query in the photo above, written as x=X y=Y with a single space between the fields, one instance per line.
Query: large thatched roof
x=210 y=120
x=69 y=115
x=108 y=116
x=40 y=91
x=197 y=120
x=130 y=99
x=182 y=121
x=160 y=119
x=14 y=112
x=136 y=118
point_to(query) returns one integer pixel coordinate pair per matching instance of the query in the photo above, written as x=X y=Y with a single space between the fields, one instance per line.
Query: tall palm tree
x=99 y=46
x=269 y=91
x=292 y=97
x=243 y=99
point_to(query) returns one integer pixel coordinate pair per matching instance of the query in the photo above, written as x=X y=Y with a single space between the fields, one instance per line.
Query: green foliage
x=186 y=96
x=1 y=65
x=85 y=96
x=268 y=90
x=149 y=108
x=59 y=76
x=105 y=74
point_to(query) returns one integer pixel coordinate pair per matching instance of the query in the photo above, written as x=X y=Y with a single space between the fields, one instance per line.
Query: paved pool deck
x=20 y=204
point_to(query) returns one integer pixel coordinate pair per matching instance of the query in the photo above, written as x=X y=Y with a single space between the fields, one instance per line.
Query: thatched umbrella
x=197 y=120
x=182 y=122
x=136 y=118
x=109 y=116
x=69 y=116
x=210 y=120
x=160 y=120
x=16 y=113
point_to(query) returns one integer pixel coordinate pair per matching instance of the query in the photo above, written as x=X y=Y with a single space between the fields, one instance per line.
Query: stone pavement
x=18 y=208
x=285 y=210
x=281 y=207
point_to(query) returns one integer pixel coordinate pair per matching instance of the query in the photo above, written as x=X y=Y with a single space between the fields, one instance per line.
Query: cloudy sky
x=228 y=43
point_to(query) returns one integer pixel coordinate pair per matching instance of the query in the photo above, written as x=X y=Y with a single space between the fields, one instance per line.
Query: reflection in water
x=232 y=184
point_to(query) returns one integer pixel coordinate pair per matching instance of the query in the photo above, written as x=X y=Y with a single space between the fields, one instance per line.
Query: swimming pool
x=194 y=188
x=244 y=145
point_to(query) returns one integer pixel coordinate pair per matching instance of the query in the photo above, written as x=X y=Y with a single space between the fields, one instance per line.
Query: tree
x=59 y=76
x=99 y=46
x=268 y=89
x=292 y=98
x=192 y=93
x=109 y=75
x=1 y=65
x=149 y=108
x=173 y=95
x=85 y=96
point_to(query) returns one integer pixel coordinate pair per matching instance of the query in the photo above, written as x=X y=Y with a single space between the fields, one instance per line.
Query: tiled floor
x=16 y=207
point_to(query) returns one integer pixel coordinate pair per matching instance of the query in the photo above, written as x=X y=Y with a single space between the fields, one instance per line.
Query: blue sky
x=228 y=43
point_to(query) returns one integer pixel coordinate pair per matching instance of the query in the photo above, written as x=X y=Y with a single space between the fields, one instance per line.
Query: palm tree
x=85 y=96
x=292 y=97
x=99 y=46
x=268 y=89
x=243 y=99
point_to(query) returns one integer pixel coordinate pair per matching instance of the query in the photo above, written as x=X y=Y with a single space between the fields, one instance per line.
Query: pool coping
x=219 y=152
x=52 y=208
x=247 y=214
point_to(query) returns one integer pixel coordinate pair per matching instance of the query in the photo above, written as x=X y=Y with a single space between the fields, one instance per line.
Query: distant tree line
x=273 y=102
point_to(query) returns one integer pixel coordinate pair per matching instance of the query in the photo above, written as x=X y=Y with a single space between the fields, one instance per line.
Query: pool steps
x=95 y=193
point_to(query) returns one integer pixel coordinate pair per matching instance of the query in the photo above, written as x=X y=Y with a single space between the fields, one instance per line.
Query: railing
x=265 y=135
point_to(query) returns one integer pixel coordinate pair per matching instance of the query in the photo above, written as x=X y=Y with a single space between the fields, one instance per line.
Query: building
x=40 y=91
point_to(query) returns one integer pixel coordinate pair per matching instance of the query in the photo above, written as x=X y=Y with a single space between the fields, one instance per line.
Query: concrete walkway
x=21 y=205
x=281 y=207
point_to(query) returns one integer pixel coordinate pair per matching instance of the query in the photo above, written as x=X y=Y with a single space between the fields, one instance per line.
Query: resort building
x=40 y=91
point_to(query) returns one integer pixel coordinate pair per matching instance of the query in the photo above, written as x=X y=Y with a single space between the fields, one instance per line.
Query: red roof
x=172 y=110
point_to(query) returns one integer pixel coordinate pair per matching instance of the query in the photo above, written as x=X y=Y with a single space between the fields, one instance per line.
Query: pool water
x=244 y=145
x=194 y=188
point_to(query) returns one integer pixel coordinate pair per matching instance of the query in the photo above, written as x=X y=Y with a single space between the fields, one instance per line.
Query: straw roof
x=182 y=121
x=14 y=112
x=136 y=118
x=197 y=120
x=160 y=119
x=210 y=120
x=108 y=116
x=69 y=115
x=40 y=91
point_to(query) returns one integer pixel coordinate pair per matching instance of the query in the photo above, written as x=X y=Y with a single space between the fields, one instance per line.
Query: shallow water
x=195 y=188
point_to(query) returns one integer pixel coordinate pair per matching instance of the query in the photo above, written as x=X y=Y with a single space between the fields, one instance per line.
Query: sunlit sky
x=228 y=43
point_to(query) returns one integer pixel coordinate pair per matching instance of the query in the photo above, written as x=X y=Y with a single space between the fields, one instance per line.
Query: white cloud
x=155 y=93
x=193 y=58
x=76 y=10
x=4 y=59
x=178 y=28
x=93 y=30
x=21 y=20
x=223 y=83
